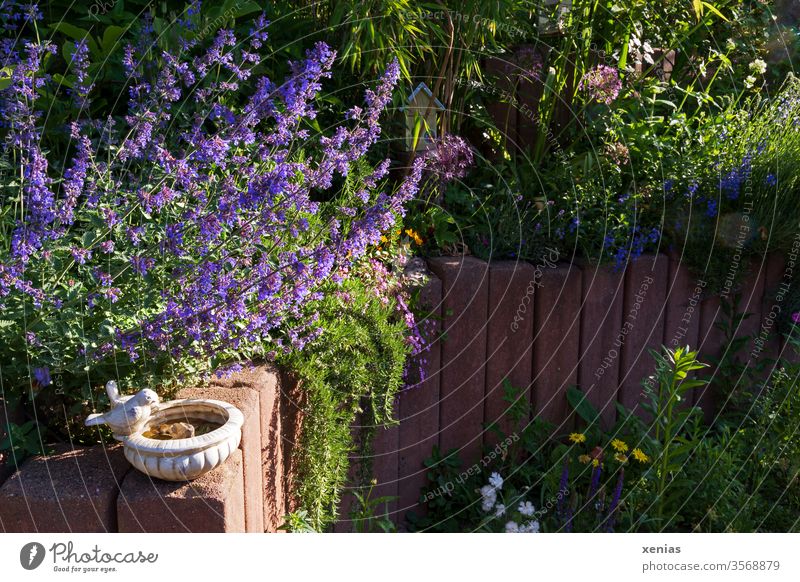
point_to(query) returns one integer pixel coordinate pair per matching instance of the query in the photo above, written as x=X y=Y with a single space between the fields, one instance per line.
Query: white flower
x=530 y=527
x=488 y=497
x=758 y=66
x=730 y=44
x=512 y=527
x=749 y=81
x=526 y=508
x=496 y=481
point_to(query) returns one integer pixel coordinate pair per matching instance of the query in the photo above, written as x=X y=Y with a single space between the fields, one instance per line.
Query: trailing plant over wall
x=350 y=376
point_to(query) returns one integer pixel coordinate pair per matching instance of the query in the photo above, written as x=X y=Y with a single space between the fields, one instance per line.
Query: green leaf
x=76 y=33
x=111 y=36
x=5 y=77
x=581 y=405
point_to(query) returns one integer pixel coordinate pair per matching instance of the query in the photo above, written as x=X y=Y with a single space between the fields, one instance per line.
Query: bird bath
x=216 y=426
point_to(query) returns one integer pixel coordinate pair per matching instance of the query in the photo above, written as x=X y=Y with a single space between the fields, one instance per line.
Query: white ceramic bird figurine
x=113 y=393
x=128 y=417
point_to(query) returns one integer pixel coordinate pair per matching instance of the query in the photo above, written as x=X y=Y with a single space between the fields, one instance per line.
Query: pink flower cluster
x=602 y=83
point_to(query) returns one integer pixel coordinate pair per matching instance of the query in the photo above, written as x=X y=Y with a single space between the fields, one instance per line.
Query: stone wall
x=94 y=489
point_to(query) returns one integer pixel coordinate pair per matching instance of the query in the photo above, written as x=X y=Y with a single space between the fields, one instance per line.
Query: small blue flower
x=42 y=376
x=771 y=180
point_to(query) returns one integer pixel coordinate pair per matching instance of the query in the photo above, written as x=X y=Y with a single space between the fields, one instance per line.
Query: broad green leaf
x=582 y=406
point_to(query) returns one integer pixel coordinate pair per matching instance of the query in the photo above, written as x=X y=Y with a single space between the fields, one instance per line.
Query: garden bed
x=569 y=322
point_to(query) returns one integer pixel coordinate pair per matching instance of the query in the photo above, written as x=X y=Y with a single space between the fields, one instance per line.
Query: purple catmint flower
x=42 y=376
x=263 y=248
x=563 y=486
x=80 y=255
x=80 y=68
x=612 y=508
x=141 y=265
x=595 y=482
x=75 y=177
x=602 y=83
x=135 y=234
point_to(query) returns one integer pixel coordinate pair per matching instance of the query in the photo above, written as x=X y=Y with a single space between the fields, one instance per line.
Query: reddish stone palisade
x=419 y=406
x=603 y=291
x=643 y=314
x=556 y=343
x=509 y=342
x=465 y=282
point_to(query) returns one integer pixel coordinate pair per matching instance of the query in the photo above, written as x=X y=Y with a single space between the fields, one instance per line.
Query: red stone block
x=683 y=309
x=556 y=343
x=465 y=283
x=266 y=380
x=683 y=302
x=73 y=490
x=245 y=399
x=385 y=467
x=773 y=308
x=601 y=317
x=643 y=324
x=293 y=403
x=711 y=342
x=509 y=340
x=419 y=408
x=212 y=503
x=751 y=302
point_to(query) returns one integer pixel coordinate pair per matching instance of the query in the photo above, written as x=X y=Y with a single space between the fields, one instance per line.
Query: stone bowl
x=188 y=458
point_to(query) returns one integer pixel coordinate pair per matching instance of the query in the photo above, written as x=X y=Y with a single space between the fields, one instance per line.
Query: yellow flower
x=414 y=236
x=595 y=462
x=584 y=459
x=577 y=437
x=640 y=456
x=384 y=240
x=621 y=458
x=619 y=446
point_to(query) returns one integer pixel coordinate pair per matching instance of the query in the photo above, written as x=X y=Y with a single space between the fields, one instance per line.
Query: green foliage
x=452 y=499
x=676 y=474
x=353 y=371
x=298 y=522
x=674 y=428
x=22 y=441
x=364 y=514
